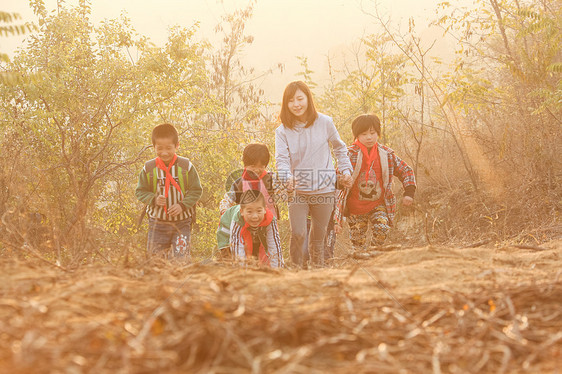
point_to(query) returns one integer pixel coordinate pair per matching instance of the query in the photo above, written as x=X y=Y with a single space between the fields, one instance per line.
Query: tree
x=370 y=81
x=496 y=104
x=233 y=85
x=8 y=26
x=231 y=113
x=505 y=78
x=88 y=115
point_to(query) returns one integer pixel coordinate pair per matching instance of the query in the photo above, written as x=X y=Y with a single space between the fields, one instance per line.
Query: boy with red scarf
x=370 y=201
x=169 y=186
x=253 y=230
x=254 y=177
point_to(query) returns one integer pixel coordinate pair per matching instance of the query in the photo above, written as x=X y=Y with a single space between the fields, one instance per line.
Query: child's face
x=298 y=105
x=165 y=149
x=253 y=213
x=257 y=169
x=368 y=138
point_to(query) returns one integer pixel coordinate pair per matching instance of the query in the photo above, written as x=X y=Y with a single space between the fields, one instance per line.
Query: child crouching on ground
x=370 y=201
x=251 y=230
x=169 y=186
x=254 y=177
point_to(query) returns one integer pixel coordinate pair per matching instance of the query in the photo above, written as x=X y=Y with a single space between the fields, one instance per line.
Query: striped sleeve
x=274 y=245
x=143 y=191
x=236 y=244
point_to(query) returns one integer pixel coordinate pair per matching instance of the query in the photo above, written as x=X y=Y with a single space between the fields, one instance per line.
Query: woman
x=304 y=162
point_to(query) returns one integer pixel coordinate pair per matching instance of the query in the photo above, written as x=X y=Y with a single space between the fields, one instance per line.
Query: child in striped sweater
x=169 y=186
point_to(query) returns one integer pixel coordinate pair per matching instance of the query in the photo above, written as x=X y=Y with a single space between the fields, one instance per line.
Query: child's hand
x=161 y=200
x=337 y=229
x=347 y=181
x=175 y=210
x=407 y=201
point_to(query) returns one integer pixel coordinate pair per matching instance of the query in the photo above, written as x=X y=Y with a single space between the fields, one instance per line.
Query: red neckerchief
x=368 y=158
x=248 y=242
x=251 y=177
x=169 y=178
x=249 y=182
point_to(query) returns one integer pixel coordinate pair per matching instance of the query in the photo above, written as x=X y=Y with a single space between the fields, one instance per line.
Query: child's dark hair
x=165 y=130
x=251 y=196
x=365 y=122
x=287 y=118
x=255 y=154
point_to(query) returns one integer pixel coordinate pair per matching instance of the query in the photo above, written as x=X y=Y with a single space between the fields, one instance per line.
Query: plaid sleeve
x=405 y=173
x=274 y=245
x=227 y=202
x=340 y=203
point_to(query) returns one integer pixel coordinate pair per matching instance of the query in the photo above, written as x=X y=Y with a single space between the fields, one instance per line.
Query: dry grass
x=455 y=311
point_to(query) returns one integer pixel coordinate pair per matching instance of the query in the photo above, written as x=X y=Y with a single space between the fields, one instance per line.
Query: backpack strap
x=184 y=166
x=151 y=173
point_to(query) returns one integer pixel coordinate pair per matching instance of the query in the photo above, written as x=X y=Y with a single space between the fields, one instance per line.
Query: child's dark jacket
x=232 y=197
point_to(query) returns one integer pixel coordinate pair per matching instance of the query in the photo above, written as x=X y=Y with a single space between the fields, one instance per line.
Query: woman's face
x=298 y=105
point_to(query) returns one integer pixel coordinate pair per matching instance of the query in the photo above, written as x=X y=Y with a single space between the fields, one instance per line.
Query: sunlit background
x=282 y=30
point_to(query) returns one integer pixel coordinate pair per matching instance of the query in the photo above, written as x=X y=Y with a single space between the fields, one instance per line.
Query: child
x=254 y=177
x=304 y=162
x=170 y=187
x=370 y=201
x=251 y=230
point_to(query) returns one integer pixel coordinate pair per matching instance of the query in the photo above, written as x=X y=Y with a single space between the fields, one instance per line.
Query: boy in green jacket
x=169 y=186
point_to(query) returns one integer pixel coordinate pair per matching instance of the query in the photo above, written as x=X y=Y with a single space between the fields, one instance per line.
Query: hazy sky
x=283 y=29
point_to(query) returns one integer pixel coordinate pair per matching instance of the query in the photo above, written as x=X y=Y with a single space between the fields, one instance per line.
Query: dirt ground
x=409 y=310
